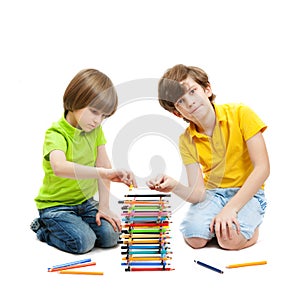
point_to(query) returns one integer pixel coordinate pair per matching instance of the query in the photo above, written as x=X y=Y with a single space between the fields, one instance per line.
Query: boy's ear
x=177 y=113
x=208 y=90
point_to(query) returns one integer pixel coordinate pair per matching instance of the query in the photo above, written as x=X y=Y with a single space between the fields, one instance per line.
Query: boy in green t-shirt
x=76 y=165
x=226 y=160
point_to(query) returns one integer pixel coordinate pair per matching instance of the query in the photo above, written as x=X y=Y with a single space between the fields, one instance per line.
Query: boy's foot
x=35 y=225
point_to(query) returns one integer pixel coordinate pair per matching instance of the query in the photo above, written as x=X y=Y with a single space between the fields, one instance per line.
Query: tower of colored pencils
x=145 y=234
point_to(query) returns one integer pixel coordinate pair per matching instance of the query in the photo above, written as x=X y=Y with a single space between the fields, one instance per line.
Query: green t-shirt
x=79 y=147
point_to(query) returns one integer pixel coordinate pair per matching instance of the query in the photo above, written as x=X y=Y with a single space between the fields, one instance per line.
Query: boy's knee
x=82 y=243
x=196 y=242
x=108 y=237
x=109 y=240
x=238 y=241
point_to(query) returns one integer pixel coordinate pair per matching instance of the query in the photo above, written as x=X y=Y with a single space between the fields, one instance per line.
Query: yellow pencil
x=80 y=272
x=254 y=263
x=131 y=187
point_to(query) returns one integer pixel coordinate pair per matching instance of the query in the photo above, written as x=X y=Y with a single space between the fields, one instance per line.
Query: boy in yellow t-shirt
x=226 y=160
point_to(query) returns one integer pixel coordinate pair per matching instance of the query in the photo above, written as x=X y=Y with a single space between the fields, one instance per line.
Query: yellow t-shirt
x=224 y=157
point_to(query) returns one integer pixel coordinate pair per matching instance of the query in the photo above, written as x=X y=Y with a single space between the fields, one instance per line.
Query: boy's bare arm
x=260 y=160
x=193 y=193
x=67 y=169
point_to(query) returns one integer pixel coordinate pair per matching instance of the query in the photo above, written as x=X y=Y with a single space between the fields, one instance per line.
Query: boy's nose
x=190 y=101
x=98 y=119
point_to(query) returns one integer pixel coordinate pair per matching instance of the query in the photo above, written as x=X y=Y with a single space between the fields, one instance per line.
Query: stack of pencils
x=145 y=234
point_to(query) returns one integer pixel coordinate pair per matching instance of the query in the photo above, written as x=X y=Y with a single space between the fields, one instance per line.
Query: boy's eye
x=192 y=91
x=94 y=111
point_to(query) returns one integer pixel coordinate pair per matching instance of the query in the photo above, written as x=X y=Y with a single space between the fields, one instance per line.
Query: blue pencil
x=208 y=266
x=71 y=263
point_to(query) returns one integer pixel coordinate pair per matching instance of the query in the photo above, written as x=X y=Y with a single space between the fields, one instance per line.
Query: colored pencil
x=130 y=269
x=150 y=230
x=146 y=214
x=148 y=195
x=136 y=258
x=142 y=207
x=72 y=267
x=141 y=202
x=153 y=224
x=158 y=241
x=143 y=236
x=143 y=219
x=145 y=263
x=71 y=263
x=81 y=272
x=254 y=263
x=208 y=266
x=143 y=247
x=146 y=252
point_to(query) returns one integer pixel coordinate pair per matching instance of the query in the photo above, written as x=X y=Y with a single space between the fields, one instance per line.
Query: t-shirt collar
x=69 y=128
x=220 y=117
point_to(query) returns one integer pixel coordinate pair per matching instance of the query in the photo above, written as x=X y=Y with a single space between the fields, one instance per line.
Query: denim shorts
x=197 y=220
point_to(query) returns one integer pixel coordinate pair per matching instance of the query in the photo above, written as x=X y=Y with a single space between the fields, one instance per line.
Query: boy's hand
x=123 y=176
x=110 y=217
x=222 y=224
x=162 y=183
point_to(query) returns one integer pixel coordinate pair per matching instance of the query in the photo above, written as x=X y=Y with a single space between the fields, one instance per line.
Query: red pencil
x=147 y=224
x=72 y=267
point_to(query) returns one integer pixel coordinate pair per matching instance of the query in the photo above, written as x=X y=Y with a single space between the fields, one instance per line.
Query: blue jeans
x=73 y=228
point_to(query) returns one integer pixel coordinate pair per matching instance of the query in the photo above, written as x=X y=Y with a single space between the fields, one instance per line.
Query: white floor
x=25 y=263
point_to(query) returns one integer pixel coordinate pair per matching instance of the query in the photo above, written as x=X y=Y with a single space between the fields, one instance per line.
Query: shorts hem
x=197 y=236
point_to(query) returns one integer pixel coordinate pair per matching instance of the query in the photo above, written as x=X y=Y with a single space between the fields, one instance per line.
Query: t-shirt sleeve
x=187 y=150
x=250 y=122
x=101 y=140
x=54 y=140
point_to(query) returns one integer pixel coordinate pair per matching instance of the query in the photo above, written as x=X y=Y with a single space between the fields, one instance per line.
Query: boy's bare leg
x=238 y=241
x=196 y=242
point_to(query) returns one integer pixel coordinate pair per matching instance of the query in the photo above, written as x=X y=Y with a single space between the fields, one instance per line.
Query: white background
x=250 y=50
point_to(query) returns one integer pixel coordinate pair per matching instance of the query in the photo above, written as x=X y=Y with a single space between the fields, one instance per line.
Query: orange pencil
x=254 y=263
x=81 y=272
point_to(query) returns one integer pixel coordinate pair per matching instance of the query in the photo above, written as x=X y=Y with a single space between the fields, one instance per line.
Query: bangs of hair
x=170 y=90
x=106 y=101
x=91 y=87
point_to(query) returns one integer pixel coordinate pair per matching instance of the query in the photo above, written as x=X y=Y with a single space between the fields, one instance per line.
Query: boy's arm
x=103 y=184
x=260 y=160
x=193 y=193
x=68 y=169
x=228 y=215
x=104 y=190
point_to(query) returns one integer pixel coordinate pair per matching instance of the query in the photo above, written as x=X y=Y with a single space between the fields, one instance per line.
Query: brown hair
x=170 y=89
x=93 y=88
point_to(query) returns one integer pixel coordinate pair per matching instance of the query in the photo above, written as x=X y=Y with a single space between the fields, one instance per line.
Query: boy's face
x=194 y=104
x=88 y=118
